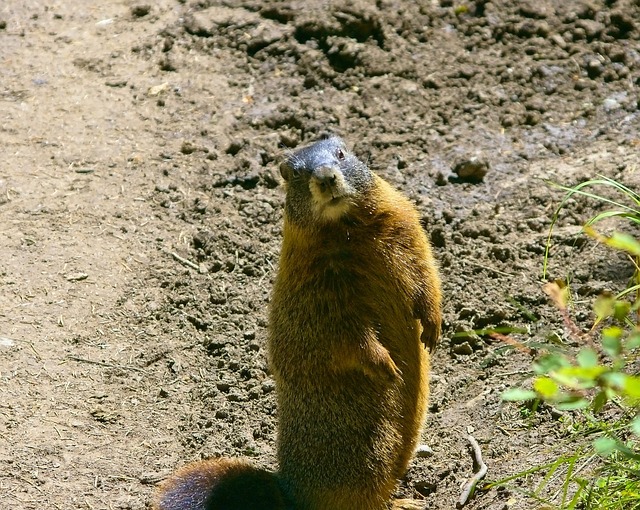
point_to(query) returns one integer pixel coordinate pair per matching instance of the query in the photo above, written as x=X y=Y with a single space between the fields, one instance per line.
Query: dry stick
x=103 y=364
x=482 y=471
x=488 y=268
x=182 y=260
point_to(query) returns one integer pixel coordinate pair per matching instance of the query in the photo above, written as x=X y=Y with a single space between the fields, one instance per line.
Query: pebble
x=610 y=104
x=76 y=277
x=464 y=349
x=472 y=169
x=594 y=68
x=424 y=451
x=559 y=41
x=6 y=342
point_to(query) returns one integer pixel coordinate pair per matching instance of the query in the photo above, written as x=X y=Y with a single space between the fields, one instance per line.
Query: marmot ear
x=286 y=171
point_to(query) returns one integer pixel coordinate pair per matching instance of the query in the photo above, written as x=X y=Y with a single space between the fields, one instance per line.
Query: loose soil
x=140 y=216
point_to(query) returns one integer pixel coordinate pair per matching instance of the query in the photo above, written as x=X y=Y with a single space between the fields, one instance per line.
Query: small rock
x=424 y=451
x=466 y=72
x=592 y=29
x=464 y=349
x=174 y=366
x=268 y=386
x=195 y=24
x=594 y=68
x=6 y=342
x=508 y=121
x=104 y=23
x=533 y=10
x=76 y=277
x=531 y=118
x=536 y=104
x=559 y=41
x=116 y=83
x=104 y=415
x=223 y=386
x=471 y=170
x=158 y=89
x=610 y=104
x=188 y=147
x=432 y=82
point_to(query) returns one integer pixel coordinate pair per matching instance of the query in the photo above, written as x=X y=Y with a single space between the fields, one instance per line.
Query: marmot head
x=324 y=181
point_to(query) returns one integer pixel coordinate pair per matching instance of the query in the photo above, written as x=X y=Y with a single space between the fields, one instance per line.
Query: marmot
x=354 y=312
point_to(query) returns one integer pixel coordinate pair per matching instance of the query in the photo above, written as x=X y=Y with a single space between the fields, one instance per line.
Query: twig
x=103 y=364
x=482 y=471
x=488 y=268
x=182 y=260
x=512 y=342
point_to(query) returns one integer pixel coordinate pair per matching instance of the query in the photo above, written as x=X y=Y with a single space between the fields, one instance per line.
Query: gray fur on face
x=323 y=180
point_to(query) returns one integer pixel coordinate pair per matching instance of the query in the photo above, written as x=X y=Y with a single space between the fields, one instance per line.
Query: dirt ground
x=140 y=216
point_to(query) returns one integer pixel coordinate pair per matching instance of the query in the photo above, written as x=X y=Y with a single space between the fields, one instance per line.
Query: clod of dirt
x=471 y=170
x=464 y=349
x=141 y=10
x=533 y=10
x=116 y=83
x=76 y=277
x=158 y=89
x=423 y=451
x=188 y=148
x=103 y=415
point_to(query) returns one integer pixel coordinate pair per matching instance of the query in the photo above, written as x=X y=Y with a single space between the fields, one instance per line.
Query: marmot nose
x=326 y=176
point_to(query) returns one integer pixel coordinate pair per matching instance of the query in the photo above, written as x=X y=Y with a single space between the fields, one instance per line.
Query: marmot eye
x=340 y=154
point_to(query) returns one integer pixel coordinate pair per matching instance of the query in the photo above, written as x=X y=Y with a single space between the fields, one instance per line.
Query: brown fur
x=355 y=303
x=354 y=379
x=238 y=485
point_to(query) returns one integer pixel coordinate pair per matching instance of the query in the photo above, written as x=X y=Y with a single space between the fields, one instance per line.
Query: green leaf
x=626 y=451
x=516 y=394
x=587 y=358
x=605 y=446
x=578 y=377
x=550 y=362
x=615 y=380
x=623 y=242
x=632 y=386
x=599 y=401
x=603 y=307
x=621 y=310
x=572 y=404
x=635 y=425
x=546 y=387
x=633 y=341
x=611 y=343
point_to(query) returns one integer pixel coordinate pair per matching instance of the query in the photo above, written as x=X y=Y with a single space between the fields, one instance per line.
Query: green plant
x=601 y=376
